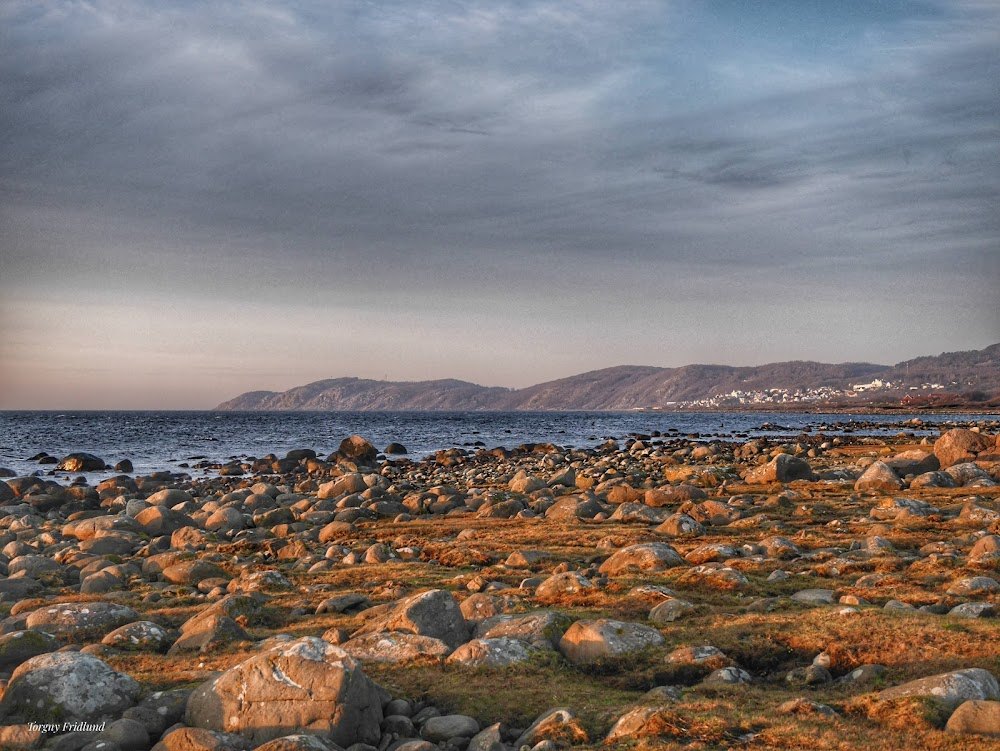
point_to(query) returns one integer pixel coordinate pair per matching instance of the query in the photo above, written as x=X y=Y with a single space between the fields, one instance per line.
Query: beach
x=771 y=590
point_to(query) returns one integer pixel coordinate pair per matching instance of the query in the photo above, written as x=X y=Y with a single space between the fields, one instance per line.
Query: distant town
x=737 y=398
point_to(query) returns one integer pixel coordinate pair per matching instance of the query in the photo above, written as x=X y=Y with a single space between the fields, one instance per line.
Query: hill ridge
x=629 y=387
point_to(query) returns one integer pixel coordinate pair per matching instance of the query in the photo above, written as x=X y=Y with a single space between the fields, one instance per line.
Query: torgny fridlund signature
x=68 y=727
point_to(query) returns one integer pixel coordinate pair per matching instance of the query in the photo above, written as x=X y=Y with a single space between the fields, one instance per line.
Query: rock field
x=668 y=592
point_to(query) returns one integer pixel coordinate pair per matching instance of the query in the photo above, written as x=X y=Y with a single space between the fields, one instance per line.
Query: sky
x=201 y=199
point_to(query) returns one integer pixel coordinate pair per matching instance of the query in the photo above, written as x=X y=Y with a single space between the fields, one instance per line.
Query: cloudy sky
x=201 y=199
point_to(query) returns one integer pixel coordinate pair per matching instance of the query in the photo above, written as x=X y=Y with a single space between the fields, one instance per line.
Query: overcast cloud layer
x=200 y=199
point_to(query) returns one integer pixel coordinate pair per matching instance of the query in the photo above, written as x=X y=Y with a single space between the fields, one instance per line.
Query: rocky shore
x=824 y=592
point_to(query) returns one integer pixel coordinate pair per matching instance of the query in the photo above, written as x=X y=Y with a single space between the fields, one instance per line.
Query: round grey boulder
x=71 y=686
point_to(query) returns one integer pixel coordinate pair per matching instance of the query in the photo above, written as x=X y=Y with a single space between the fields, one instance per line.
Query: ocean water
x=163 y=440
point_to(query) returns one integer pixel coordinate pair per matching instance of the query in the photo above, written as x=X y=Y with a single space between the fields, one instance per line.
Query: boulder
x=498 y=652
x=169 y=497
x=641 y=722
x=780 y=547
x=815 y=596
x=542 y=628
x=960 y=445
x=355 y=449
x=304 y=685
x=671 y=610
x=192 y=571
x=680 y=525
x=208 y=633
x=574 y=507
x=986 y=550
x=705 y=655
x=878 y=478
x=638 y=513
x=71 y=686
x=394 y=647
x=967 y=474
x=951 y=688
x=649 y=556
x=915 y=462
x=976 y=717
x=673 y=494
x=297 y=742
x=446 y=727
x=587 y=641
x=353 y=482
x=974 y=585
x=899 y=508
x=782 y=468
x=522 y=482
x=81 y=462
x=433 y=613
x=75 y=621
x=225 y=520
x=141 y=636
x=566 y=583
x=559 y=725
x=488 y=739
x=161 y=520
x=197 y=739
x=20 y=646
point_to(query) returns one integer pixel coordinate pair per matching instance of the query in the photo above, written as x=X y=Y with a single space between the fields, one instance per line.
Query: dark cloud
x=532 y=146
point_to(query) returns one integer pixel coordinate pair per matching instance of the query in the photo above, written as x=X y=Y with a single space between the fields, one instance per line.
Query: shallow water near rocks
x=156 y=441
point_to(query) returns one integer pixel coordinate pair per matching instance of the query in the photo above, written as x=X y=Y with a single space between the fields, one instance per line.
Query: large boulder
x=433 y=613
x=565 y=583
x=394 y=647
x=304 y=685
x=161 y=520
x=559 y=724
x=493 y=652
x=587 y=641
x=141 y=636
x=352 y=482
x=522 y=482
x=574 y=507
x=355 y=449
x=446 y=727
x=197 y=739
x=543 y=628
x=192 y=571
x=641 y=722
x=878 y=478
x=915 y=462
x=649 y=556
x=976 y=717
x=951 y=688
x=959 y=445
x=71 y=686
x=75 y=621
x=782 y=468
x=680 y=525
x=81 y=462
x=668 y=495
x=19 y=646
x=169 y=497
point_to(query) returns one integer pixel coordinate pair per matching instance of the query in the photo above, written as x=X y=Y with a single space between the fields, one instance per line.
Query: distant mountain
x=977 y=369
x=975 y=373
x=631 y=387
x=358 y=394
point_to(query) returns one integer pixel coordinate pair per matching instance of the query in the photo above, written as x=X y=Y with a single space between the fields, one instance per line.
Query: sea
x=173 y=441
